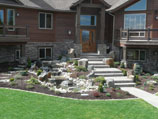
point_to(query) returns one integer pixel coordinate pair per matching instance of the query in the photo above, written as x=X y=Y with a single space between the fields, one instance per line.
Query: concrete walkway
x=148 y=97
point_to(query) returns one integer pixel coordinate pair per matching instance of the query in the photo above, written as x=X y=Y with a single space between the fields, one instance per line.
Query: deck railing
x=139 y=34
x=14 y=31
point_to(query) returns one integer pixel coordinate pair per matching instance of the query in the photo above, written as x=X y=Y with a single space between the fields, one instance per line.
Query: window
x=45 y=20
x=135 y=21
x=136 y=55
x=87 y=20
x=45 y=53
x=11 y=18
x=1 y=17
x=17 y=54
x=141 y=5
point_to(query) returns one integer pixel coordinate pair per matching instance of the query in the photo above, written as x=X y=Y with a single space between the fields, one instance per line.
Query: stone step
x=18 y=68
x=108 y=74
x=107 y=70
x=95 y=59
x=125 y=84
x=96 y=63
x=101 y=66
x=123 y=79
x=22 y=66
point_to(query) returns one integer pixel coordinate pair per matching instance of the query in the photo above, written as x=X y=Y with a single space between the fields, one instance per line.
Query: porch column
x=102 y=27
x=78 y=25
x=124 y=54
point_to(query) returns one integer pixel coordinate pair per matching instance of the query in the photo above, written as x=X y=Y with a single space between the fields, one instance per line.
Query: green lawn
x=23 y=105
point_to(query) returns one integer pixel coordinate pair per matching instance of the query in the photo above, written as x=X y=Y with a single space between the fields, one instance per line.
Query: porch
x=14 y=34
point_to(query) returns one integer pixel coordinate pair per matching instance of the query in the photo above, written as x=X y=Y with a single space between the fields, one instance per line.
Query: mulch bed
x=147 y=87
x=21 y=84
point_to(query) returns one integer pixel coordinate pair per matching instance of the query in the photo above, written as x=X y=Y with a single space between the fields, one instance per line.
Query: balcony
x=139 y=37
x=13 y=34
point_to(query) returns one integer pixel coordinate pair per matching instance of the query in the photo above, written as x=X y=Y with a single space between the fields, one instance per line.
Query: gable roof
x=61 y=5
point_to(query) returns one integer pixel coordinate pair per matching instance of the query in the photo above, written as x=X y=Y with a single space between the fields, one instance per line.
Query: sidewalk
x=148 y=97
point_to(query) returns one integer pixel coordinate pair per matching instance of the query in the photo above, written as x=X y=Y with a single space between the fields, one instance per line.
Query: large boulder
x=71 y=53
x=43 y=76
x=83 y=63
x=109 y=61
x=110 y=83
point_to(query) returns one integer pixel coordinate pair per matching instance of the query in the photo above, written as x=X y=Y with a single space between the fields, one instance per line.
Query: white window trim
x=45 y=57
x=88 y=25
x=45 y=21
x=13 y=19
x=19 y=54
x=137 y=31
x=139 y=55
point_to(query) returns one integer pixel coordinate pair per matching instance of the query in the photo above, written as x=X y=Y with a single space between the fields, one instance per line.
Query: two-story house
x=46 y=29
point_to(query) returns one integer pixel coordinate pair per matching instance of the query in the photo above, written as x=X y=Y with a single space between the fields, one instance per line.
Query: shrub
x=10 y=68
x=154 y=77
x=96 y=94
x=33 y=81
x=122 y=65
x=110 y=62
x=18 y=77
x=108 y=94
x=29 y=86
x=118 y=94
x=100 y=88
x=82 y=77
x=151 y=87
x=117 y=89
x=70 y=61
x=80 y=69
x=136 y=78
x=24 y=73
x=101 y=80
x=29 y=63
x=137 y=69
x=39 y=72
x=124 y=72
x=11 y=79
x=13 y=83
x=138 y=83
x=116 y=64
x=75 y=62
x=60 y=57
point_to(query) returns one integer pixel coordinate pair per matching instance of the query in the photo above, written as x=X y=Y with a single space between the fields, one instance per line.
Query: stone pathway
x=148 y=97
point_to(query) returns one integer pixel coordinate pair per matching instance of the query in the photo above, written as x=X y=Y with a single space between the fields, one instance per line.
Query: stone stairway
x=4 y=77
x=100 y=69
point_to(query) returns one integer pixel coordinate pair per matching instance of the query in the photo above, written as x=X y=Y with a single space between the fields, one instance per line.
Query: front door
x=88 y=40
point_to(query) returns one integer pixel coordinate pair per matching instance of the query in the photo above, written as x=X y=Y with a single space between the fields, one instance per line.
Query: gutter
x=113 y=34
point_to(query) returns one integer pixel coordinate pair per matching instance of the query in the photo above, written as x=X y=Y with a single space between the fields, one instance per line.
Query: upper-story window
x=1 y=17
x=45 y=20
x=87 y=20
x=11 y=18
x=141 y=5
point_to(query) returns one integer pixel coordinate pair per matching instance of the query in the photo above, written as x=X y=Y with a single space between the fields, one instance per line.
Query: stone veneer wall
x=32 y=49
x=151 y=63
x=7 y=53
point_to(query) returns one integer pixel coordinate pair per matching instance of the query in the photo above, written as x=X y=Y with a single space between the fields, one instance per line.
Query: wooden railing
x=139 y=34
x=14 y=31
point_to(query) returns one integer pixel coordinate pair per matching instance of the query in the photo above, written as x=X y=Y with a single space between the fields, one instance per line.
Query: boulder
x=43 y=76
x=151 y=82
x=71 y=53
x=90 y=67
x=84 y=95
x=47 y=63
x=110 y=83
x=83 y=63
x=109 y=61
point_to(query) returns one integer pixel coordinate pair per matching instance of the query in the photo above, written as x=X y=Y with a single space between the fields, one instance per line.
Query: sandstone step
x=125 y=84
x=101 y=66
x=107 y=70
x=96 y=63
x=108 y=74
x=123 y=79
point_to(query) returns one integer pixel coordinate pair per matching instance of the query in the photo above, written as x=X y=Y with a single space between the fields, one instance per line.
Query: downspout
x=113 y=34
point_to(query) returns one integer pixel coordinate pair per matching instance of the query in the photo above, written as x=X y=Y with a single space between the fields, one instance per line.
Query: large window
x=11 y=18
x=45 y=20
x=87 y=20
x=141 y=5
x=135 y=21
x=45 y=53
x=136 y=55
